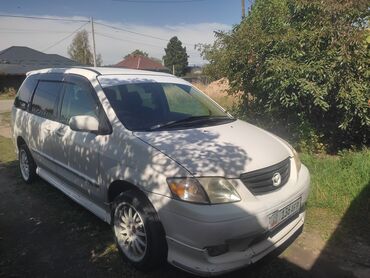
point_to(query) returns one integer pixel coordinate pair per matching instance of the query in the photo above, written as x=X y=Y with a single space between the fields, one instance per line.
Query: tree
x=99 y=60
x=137 y=52
x=80 y=50
x=176 y=56
x=305 y=64
x=216 y=56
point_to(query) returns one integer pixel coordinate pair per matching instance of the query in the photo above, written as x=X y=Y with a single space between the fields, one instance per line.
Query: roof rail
x=87 y=68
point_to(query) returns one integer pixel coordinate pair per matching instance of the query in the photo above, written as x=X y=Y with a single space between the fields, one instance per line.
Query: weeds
x=8 y=93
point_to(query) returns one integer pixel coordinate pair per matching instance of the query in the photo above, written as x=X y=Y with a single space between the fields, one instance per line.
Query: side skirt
x=83 y=201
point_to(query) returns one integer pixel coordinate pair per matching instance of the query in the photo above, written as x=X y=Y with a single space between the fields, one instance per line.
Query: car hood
x=225 y=150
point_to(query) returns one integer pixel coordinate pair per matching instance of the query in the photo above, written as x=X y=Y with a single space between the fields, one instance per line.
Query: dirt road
x=5 y=129
x=6 y=105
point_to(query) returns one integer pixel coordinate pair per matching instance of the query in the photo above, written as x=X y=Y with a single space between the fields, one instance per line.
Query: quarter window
x=45 y=99
x=78 y=100
x=25 y=93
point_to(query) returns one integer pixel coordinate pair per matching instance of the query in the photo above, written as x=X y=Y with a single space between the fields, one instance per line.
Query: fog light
x=214 y=251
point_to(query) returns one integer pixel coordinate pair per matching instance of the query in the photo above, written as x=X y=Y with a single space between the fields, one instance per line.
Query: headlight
x=203 y=190
x=219 y=190
x=187 y=189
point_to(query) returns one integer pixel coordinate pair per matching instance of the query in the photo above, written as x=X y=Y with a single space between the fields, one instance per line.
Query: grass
x=339 y=202
x=8 y=93
x=7 y=153
x=6 y=97
x=5 y=118
x=217 y=90
x=337 y=180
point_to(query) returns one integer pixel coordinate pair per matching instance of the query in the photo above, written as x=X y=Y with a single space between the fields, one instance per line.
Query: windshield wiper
x=188 y=120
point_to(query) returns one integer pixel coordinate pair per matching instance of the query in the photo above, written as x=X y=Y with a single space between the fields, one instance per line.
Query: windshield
x=153 y=106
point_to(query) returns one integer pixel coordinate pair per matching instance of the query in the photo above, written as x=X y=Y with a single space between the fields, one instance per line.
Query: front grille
x=260 y=181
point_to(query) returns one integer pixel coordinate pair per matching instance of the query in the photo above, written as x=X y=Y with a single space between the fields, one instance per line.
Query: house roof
x=141 y=62
x=21 y=59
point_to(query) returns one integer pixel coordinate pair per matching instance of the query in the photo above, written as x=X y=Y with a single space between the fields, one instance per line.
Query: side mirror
x=84 y=123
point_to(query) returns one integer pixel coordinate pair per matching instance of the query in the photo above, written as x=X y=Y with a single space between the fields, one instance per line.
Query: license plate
x=281 y=215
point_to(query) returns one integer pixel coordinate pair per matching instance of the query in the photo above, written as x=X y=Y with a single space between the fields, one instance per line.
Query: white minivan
x=177 y=177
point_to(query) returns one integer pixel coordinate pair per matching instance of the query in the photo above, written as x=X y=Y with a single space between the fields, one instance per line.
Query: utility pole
x=173 y=69
x=93 y=40
x=243 y=9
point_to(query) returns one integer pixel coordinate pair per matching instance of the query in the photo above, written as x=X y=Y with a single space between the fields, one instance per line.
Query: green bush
x=303 y=66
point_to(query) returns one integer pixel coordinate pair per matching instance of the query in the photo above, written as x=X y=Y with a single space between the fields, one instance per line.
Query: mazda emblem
x=276 y=179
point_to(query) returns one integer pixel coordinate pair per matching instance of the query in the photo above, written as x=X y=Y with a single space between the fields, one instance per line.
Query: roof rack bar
x=86 y=68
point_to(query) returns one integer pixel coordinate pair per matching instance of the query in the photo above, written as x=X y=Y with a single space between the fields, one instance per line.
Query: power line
x=137 y=33
x=45 y=18
x=20 y=30
x=160 y=1
x=75 y=31
x=102 y=24
x=98 y=23
x=125 y=40
x=136 y=42
x=129 y=31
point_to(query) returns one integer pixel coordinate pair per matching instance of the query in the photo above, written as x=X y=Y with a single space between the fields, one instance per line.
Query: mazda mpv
x=176 y=176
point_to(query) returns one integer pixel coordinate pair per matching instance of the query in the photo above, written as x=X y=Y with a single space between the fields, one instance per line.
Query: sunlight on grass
x=338 y=203
x=7 y=153
x=337 y=180
x=5 y=118
x=109 y=250
x=217 y=90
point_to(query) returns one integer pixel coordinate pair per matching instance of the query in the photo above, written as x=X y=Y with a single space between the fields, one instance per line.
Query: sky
x=192 y=21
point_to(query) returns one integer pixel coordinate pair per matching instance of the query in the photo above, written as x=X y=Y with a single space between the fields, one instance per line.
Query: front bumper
x=243 y=226
x=198 y=262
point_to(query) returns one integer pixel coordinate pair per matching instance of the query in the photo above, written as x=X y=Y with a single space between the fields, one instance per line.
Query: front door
x=78 y=151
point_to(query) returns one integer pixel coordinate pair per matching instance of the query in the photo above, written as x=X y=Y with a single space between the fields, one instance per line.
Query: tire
x=141 y=238
x=27 y=165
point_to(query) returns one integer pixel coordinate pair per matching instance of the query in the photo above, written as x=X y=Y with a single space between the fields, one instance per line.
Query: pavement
x=6 y=105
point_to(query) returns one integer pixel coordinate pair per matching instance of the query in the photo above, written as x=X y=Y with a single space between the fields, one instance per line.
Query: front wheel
x=27 y=165
x=137 y=230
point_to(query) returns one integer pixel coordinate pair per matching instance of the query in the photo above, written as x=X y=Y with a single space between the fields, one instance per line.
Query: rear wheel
x=137 y=231
x=27 y=165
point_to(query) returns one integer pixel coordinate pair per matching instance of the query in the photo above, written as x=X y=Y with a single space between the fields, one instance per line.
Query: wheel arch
x=20 y=141
x=119 y=186
x=159 y=242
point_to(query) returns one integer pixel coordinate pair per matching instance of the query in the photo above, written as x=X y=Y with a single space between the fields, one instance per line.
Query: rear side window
x=25 y=92
x=45 y=99
x=78 y=100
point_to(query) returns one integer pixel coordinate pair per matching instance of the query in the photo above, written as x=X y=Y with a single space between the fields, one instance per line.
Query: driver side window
x=78 y=100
